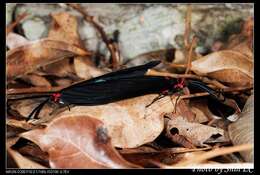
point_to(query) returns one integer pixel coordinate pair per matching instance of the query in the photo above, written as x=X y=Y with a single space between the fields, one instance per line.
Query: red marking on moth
x=55 y=97
x=180 y=84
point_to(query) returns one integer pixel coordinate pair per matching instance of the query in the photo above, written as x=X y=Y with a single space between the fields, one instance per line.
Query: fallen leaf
x=242 y=131
x=201 y=110
x=36 y=80
x=129 y=122
x=200 y=117
x=19 y=124
x=195 y=132
x=64 y=82
x=204 y=156
x=248 y=29
x=226 y=66
x=27 y=58
x=62 y=68
x=64 y=28
x=77 y=142
x=14 y=40
x=85 y=69
x=243 y=48
x=23 y=162
x=183 y=109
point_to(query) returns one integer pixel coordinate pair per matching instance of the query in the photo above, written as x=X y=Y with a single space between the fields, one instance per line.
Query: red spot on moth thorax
x=180 y=84
x=55 y=97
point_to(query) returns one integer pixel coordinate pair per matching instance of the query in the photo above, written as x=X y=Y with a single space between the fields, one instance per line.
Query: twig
x=193 y=42
x=113 y=49
x=168 y=150
x=215 y=153
x=33 y=90
x=204 y=79
x=10 y=27
x=177 y=65
x=187 y=28
x=199 y=94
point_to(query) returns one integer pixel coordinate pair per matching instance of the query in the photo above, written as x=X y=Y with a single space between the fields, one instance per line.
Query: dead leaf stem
x=112 y=47
x=215 y=153
x=204 y=79
x=11 y=26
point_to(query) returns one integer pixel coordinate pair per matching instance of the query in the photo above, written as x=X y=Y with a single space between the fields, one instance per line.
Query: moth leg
x=175 y=104
x=68 y=105
x=155 y=99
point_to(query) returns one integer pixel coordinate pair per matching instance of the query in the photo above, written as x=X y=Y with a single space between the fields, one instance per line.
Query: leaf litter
x=176 y=131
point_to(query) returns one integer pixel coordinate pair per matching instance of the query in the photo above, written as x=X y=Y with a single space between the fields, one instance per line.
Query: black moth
x=114 y=86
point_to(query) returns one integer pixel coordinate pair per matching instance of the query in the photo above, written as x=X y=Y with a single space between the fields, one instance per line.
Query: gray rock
x=144 y=27
x=9 y=12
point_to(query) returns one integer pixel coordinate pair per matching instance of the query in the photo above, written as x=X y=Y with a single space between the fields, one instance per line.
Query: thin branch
x=204 y=79
x=11 y=26
x=187 y=27
x=17 y=91
x=215 y=153
x=193 y=42
x=113 y=49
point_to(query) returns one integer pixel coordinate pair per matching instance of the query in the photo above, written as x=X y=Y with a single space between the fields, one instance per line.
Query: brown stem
x=33 y=90
x=10 y=27
x=187 y=27
x=204 y=79
x=110 y=45
x=177 y=65
x=193 y=42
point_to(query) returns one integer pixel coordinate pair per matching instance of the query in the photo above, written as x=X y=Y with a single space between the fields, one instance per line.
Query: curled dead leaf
x=195 y=132
x=62 y=68
x=227 y=66
x=27 y=58
x=85 y=69
x=14 y=40
x=77 y=142
x=22 y=161
x=242 y=131
x=64 y=28
x=36 y=80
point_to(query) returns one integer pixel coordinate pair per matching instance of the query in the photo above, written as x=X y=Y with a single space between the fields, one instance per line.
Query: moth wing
x=124 y=73
x=114 y=90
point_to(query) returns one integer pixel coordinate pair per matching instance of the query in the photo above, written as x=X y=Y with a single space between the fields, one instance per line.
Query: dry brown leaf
x=27 y=58
x=242 y=131
x=64 y=28
x=62 y=68
x=77 y=142
x=183 y=109
x=201 y=110
x=129 y=122
x=248 y=28
x=19 y=124
x=36 y=80
x=64 y=82
x=195 y=132
x=202 y=157
x=23 y=162
x=243 y=48
x=200 y=116
x=226 y=66
x=85 y=69
x=14 y=40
